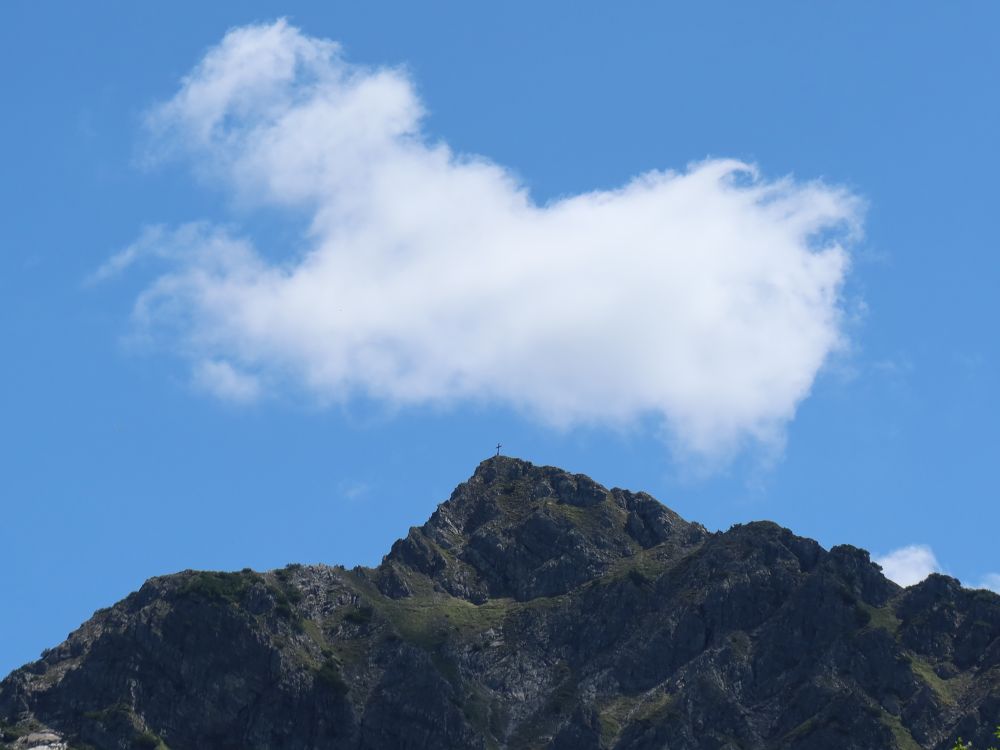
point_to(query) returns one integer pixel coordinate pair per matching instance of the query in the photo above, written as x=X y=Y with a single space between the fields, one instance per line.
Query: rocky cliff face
x=534 y=609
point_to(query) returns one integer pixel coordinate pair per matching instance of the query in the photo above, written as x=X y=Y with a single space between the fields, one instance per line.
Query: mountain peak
x=519 y=530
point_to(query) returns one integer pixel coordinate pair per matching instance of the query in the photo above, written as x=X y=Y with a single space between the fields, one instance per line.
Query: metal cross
x=498 y=448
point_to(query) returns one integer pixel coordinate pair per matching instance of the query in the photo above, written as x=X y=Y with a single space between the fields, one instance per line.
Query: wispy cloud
x=909 y=565
x=707 y=298
x=990 y=581
x=224 y=381
x=353 y=490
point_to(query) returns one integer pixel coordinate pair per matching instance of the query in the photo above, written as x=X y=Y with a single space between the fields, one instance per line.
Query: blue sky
x=181 y=384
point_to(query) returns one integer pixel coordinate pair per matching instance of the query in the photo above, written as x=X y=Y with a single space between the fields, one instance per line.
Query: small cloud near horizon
x=990 y=581
x=913 y=563
x=909 y=565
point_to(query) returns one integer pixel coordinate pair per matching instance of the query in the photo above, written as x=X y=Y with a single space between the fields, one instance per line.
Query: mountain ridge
x=534 y=608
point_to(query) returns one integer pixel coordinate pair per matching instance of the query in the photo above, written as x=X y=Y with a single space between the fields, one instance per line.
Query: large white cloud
x=708 y=298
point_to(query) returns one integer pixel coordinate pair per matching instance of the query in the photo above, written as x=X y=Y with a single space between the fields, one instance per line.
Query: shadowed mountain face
x=535 y=608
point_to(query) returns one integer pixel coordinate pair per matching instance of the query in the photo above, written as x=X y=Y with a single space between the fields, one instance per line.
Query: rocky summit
x=535 y=608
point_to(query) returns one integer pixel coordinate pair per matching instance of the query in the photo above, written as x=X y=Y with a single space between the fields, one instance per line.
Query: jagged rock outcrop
x=535 y=608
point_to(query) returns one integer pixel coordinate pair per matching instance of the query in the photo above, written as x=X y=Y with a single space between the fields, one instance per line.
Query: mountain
x=535 y=608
